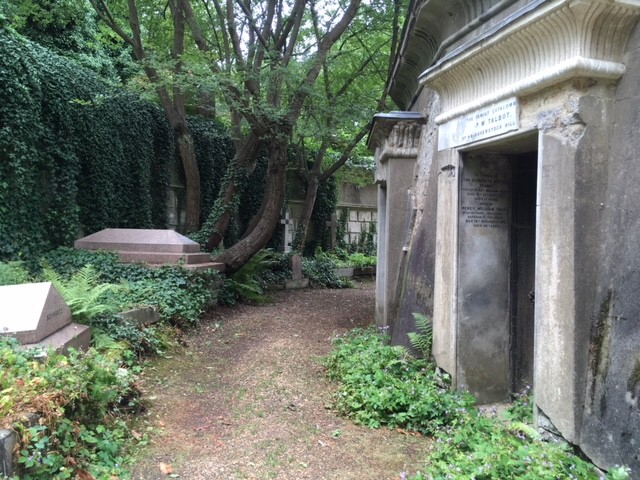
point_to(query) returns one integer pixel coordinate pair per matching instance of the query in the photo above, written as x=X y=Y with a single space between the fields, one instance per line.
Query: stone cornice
x=396 y=134
x=402 y=141
x=555 y=42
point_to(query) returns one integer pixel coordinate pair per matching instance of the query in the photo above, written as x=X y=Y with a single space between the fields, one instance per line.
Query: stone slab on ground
x=32 y=311
x=345 y=272
x=164 y=257
x=142 y=315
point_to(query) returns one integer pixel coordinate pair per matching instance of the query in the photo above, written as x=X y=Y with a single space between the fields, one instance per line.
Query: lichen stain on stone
x=600 y=348
x=633 y=384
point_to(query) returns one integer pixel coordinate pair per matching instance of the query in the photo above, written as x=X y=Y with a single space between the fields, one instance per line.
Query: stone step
x=195 y=266
x=163 y=257
x=73 y=335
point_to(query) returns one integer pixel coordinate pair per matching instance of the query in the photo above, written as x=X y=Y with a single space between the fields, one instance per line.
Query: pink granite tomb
x=154 y=247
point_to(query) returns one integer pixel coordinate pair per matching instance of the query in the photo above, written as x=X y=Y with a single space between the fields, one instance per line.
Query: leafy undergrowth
x=383 y=385
x=82 y=400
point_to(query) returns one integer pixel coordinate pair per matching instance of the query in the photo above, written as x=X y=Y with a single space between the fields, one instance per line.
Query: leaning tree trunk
x=242 y=164
x=275 y=185
x=313 y=182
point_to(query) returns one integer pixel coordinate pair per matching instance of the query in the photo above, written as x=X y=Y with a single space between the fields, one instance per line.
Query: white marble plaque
x=487 y=122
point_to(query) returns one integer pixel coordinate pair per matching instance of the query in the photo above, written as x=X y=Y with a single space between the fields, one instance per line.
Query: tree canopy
x=279 y=73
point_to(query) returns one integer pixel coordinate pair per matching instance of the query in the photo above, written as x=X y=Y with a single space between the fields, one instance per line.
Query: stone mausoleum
x=509 y=207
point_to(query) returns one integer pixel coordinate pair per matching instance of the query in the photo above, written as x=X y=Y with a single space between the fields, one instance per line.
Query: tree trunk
x=313 y=182
x=275 y=184
x=242 y=164
x=192 y=179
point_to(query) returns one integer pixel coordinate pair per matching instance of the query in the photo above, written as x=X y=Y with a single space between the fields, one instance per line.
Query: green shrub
x=321 y=270
x=181 y=295
x=13 y=273
x=279 y=270
x=486 y=449
x=383 y=385
x=77 y=397
x=245 y=283
x=358 y=260
x=84 y=293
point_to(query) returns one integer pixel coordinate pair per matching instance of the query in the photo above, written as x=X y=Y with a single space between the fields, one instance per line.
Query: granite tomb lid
x=138 y=240
x=32 y=311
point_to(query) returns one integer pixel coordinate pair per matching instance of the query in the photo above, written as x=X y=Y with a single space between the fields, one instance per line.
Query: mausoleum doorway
x=496 y=268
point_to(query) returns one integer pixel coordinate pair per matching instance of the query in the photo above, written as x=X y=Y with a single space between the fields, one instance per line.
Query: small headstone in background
x=295 y=262
x=333 y=226
x=287 y=222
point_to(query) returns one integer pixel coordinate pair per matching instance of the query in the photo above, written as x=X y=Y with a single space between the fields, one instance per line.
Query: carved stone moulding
x=533 y=49
x=397 y=134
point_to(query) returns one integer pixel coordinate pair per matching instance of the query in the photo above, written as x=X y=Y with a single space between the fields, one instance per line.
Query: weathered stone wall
x=359 y=221
x=611 y=425
x=414 y=293
x=580 y=114
x=359 y=202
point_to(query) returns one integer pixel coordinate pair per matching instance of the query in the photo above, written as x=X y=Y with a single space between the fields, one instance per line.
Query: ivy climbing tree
x=164 y=74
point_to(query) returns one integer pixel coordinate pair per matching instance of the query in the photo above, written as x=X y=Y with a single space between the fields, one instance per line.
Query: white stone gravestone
x=37 y=315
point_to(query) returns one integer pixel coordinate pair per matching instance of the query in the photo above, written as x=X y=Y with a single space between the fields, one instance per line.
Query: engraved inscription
x=487 y=122
x=54 y=314
x=483 y=202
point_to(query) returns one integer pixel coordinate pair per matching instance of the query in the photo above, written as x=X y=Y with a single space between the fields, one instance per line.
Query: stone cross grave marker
x=37 y=315
x=287 y=222
x=333 y=226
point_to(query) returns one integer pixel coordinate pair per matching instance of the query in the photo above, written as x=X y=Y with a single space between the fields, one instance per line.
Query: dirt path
x=248 y=398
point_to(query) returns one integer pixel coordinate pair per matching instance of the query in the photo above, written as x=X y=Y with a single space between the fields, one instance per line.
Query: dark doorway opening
x=524 y=169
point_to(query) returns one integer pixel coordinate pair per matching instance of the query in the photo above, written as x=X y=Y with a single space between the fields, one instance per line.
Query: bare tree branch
x=102 y=9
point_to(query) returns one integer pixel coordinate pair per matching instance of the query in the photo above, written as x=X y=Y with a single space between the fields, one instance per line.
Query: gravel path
x=247 y=398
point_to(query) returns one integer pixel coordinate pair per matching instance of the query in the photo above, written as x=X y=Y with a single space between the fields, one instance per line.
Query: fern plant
x=245 y=282
x=422 y=338
x=83 y=292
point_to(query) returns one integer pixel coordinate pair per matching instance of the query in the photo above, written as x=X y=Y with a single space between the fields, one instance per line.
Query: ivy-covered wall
x=78 y=155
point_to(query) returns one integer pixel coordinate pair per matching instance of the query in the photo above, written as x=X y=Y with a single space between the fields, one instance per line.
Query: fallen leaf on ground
x=84 y=475
x=166 y=468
